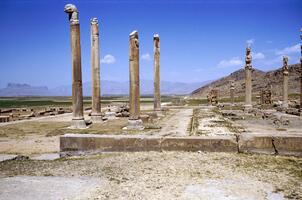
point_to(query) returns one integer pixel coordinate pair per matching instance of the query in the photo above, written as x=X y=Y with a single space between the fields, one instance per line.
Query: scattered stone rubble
x=15 y=114
x=113 y=111
x=213 y=97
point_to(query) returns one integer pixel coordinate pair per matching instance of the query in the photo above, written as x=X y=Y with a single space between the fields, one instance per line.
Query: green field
x=21 y=102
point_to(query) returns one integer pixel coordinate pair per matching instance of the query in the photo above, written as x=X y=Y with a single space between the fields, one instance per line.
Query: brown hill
x=260 y=80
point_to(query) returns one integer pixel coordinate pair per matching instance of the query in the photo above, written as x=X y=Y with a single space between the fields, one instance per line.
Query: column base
x=247 y=107
x=284 y=105
x=96 y=118
x=135 y=124
x=78 y=124
x=110 y=115
x=158 y=113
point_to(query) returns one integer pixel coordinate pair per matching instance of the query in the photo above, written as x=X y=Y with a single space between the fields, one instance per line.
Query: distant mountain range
x=260 y=80
x=107 y=88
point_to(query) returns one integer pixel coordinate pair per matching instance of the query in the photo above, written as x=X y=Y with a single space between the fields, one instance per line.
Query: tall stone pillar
x=77 y=94
x=248 y=79
x=232 y=89
x=285 y=82
x=157 y=102
x=134 y=121
x=95 y=71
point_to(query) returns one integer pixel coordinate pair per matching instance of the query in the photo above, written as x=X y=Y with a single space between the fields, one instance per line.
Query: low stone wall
x=75 y=144
x=83 y=143
x=271 y=144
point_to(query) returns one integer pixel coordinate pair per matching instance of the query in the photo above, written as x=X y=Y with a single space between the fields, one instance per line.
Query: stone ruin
x=248 y=79
x=77 y=93
x=16 y=114
x=266 y=97
x=213 y=97
x=232 y=94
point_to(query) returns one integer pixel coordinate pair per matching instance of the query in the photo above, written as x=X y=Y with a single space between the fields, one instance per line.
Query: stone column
x=95 y=71
x=248 y=79
x=134 y=121
x=77 y=95
x=285 y=82
x=232 y=89
x=157 y=102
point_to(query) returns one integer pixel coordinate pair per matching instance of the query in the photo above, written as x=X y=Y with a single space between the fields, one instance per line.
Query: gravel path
x=177 y=124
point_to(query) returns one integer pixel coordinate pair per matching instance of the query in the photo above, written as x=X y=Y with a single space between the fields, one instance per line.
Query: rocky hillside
x=260 y=80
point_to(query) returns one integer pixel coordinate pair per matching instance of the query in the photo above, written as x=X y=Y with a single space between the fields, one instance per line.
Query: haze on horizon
x=200 y=40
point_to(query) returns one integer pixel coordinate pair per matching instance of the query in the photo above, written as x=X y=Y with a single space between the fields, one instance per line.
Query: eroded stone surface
x=221 y=189
x=48 y=188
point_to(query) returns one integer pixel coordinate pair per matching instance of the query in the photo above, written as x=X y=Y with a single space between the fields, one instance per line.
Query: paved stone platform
x=76 y=144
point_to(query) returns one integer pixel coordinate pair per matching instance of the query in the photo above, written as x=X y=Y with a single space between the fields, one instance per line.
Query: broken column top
x=134 y=34
x=285 y=60
x=72 y=12
x=94 y=21
x=156 y=36
x=285 y=65
x=248 y=49
x=248 y=58
x=232 y=84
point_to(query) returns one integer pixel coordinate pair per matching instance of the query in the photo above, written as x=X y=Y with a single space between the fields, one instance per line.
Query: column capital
x=285 y=65
x=73 y=14
x=133 y=34
x=248 y=58
x=94 y=21
x=232 y=85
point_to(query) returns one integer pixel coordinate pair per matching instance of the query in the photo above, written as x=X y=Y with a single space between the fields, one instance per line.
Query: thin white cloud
x=146 y=57
x=258 y=56
x=275 y=61
x=250 y=41
x=289 y=50
x=269 y=42
x=235 y=61
x=108 y=59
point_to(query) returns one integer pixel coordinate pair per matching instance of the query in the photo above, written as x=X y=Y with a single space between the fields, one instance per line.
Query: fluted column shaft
x=285 y=82
x=232 y=89
x=248 y=78
x=95 y=68
x=157 y=98
x=77 y=94
x=134 y=97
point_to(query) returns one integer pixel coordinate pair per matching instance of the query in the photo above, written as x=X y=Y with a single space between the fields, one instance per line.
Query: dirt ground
x=145 y=175
x=172 y=175
x=41 y=135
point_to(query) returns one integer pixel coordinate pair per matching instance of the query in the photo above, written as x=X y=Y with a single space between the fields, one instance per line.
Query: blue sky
x=200 y=40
